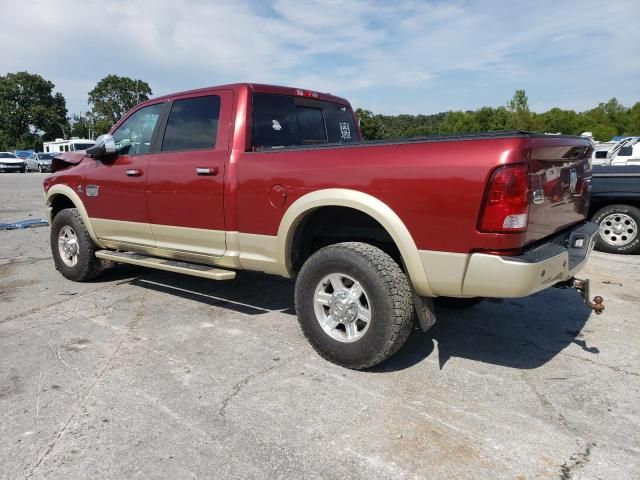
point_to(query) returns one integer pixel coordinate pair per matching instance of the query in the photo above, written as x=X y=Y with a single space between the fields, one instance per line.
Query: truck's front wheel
x=354 y=304
x=72 y=248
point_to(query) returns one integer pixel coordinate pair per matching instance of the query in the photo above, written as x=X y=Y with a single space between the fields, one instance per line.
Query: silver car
x=40 y=162
x=10 y=163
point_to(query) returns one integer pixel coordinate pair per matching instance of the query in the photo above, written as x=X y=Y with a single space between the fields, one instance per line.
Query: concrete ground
x=145 y=374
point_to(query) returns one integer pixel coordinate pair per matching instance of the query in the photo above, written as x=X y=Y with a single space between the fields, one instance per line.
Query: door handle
x=207 y=171
x=134 y=172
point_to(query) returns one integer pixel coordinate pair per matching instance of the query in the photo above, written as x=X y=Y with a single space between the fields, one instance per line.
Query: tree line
x=31 y=112
x=604 y=121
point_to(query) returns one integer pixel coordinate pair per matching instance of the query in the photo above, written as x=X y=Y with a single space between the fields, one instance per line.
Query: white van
x=62 y=145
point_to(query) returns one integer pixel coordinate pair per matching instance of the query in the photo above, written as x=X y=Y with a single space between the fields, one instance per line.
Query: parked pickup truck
x=615 y=207
x=278 y=180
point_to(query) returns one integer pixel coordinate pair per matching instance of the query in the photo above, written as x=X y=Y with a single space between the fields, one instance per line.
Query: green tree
x=370 y=126
x=113 y=96
x=29 y=111
x=458 y=122
x=518 y=107
x=557 y=120
x=633 y=120
x=81 y=125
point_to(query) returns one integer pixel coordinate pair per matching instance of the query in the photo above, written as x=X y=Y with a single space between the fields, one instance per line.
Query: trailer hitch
x=582 y=286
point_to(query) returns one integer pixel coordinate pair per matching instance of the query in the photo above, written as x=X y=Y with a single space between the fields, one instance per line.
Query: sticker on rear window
x=276 y=125
x=345 y=130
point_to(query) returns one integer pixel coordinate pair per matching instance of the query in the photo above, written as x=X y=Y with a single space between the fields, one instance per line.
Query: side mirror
x=105 y=147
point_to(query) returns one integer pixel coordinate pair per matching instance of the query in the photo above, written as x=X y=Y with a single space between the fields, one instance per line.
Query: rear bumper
x=540 y=267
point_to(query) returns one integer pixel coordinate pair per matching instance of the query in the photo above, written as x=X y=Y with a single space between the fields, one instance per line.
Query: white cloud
x=407 y=55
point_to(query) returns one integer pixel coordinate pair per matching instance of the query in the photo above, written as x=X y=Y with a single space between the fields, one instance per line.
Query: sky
x=404 y=56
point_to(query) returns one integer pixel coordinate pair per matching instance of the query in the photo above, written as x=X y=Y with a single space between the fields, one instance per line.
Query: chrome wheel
x=342 y=307
x=618 y=229
x=68 y=246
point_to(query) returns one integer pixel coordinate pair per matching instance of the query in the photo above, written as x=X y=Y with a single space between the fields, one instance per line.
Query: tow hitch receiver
x=582 y=286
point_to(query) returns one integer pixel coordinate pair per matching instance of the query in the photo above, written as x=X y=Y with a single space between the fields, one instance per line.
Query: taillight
x=506 y=201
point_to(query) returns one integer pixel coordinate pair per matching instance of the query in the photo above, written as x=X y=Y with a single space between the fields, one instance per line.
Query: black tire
x=387 y=290
x=23 y=169
x=455 y=303
x=629 y=239
x=87 y=266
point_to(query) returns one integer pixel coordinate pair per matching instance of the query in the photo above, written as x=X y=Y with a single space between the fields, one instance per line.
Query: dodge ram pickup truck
x=279 y=180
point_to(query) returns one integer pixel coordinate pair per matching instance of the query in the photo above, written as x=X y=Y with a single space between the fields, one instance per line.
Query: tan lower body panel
x=199 y=241
x=483 y=275
x=445 y=271
x=123 y=232
x=494 y=276
x=210 y=247
x=194 y=241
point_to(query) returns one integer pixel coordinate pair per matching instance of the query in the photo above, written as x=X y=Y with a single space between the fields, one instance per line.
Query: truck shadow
x=521 y=333
x=250 y=293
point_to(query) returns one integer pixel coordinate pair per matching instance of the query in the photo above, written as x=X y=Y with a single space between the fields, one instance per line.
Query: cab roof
x=258 y=88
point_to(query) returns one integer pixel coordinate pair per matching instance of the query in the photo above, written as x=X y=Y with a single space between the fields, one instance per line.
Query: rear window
x=283 y=121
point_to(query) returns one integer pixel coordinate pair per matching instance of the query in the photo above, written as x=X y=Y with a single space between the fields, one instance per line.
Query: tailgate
x=560 y=181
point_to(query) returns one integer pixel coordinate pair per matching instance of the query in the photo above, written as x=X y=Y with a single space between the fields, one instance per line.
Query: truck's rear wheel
x=72 y=248
x=354 y=304
x=618 y=229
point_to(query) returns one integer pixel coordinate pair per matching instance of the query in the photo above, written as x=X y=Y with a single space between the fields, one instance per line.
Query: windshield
x=45 y=156
x=7 y=155
x=82 y=146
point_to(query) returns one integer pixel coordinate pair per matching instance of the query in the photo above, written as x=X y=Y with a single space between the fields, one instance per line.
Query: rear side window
x=283 y=121
x=192 y=124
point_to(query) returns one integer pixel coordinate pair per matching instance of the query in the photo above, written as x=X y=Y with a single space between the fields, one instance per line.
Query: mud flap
x=425 y=311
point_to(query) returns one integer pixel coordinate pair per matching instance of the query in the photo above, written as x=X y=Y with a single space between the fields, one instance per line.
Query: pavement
x=147 y=374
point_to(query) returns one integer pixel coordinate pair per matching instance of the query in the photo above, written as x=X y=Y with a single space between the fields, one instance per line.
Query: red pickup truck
x=278 y=180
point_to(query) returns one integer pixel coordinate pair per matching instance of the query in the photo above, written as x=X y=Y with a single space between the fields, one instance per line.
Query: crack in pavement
x=130 y=326
x=235 y=390
x=548 y=406
x=70 y=298
x=577 y=460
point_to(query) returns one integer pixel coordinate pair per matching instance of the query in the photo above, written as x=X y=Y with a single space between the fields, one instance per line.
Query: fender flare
x=66 y=191
x=375 y=208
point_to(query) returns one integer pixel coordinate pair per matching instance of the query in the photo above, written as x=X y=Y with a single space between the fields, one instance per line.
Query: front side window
x=133 y=137
x=284 y=120
x=192 y=124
